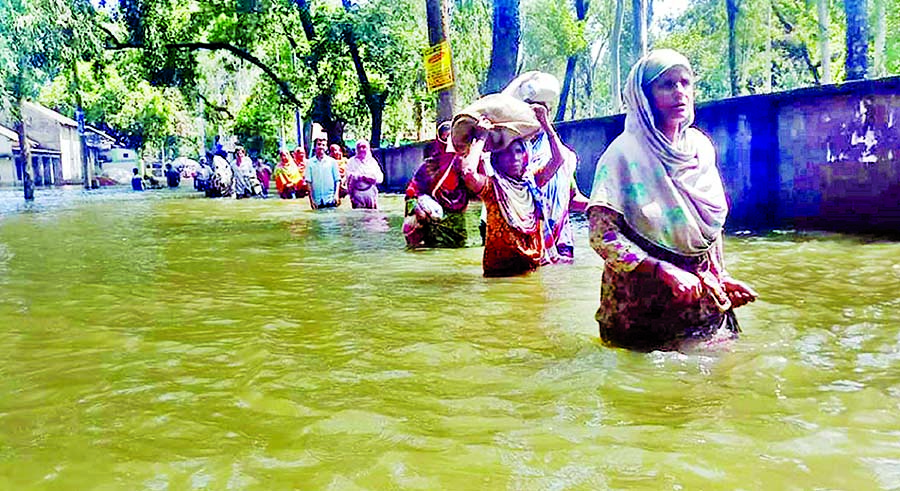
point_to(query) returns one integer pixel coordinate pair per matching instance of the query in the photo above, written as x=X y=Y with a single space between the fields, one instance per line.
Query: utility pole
x=639 y=18
x=86 y=166
x=24 y=149
x=201 y=124
x=437 y=32
x=298 y=121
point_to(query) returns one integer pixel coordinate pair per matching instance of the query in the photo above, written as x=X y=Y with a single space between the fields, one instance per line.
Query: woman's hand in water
x=738 y=292
x=686 y=287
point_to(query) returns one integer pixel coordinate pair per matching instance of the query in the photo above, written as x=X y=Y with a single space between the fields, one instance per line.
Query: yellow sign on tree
x=438 y=69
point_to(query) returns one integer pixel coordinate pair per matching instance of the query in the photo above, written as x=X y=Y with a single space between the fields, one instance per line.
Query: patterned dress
x=637 y=310
x=508 y=251
x=439 y=178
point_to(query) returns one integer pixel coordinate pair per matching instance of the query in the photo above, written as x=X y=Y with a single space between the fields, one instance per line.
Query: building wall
x=70 y=148
x=7 y=165
x=53 y=135
x=42 y=129
x=825 y=158
x=399 y=164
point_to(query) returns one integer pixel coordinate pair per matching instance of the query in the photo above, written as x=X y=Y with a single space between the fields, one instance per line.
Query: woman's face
x=512 y=160
x=672 y=97
x=362 y=149
x=336 y=152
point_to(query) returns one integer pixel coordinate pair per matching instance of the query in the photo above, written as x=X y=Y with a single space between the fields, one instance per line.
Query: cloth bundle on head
x=535 y=86
x=511 y=118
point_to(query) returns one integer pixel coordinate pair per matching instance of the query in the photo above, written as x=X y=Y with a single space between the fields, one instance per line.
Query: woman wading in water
x=656 y=216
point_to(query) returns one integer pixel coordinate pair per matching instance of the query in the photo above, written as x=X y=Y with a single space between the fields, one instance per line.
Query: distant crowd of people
x=325 y=178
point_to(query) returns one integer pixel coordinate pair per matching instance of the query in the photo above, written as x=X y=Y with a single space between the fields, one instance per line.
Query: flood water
x=160 y=340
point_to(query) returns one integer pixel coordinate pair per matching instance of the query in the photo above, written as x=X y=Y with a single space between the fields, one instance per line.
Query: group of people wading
x=324 y=178
x=327 y=176
x=656 y=211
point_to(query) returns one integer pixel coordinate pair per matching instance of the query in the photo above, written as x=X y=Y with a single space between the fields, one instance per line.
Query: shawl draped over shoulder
x=669 y=193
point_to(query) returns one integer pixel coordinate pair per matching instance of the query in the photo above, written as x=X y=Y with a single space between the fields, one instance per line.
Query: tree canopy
x=166 y=75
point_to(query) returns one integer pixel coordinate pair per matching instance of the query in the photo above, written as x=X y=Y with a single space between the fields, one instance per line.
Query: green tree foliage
x=35 y=39
x=259 y=124
x=150 y=69
x=470 y=42
x=547 y=44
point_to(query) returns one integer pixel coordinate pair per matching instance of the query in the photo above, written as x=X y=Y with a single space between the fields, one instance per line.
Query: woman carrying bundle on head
x=437 y=199
x=501 y=125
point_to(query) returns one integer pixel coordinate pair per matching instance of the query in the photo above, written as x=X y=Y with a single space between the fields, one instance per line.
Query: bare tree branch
x=114 y=44
x=215 y=107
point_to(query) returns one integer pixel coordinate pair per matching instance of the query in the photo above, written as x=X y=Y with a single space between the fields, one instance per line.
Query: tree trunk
x=377 y=119
x=505 y=47
x=614 y=52
x=437 y=32
x=306 y=20
x=24 y=152
x=321 y=111
x=733 y=11
x=639 y=21
x=374 y=100
x=880 y=38
x=580 y=12
x=567 y=85
x=824 y=46
x=857 y=39
x=86 y=166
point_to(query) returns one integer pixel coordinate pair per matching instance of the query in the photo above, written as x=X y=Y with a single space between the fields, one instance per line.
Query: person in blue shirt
x=324 y=178
x=137 y=182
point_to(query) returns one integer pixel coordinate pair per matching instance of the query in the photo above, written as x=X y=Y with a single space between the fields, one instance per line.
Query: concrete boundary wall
x=823 y=158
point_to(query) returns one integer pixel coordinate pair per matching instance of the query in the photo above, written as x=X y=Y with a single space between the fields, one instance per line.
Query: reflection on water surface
x=160 y=341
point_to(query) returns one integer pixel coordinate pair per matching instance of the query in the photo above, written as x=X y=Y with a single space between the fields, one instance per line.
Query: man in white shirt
x=324 y=178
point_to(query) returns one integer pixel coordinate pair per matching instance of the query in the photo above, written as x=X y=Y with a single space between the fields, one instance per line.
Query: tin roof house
x=56 y=152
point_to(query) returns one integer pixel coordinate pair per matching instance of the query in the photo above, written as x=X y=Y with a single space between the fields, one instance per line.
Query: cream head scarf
x=669 y=193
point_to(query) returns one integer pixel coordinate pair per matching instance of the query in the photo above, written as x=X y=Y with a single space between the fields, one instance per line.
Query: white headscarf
x=669 y=193
x=364 y=165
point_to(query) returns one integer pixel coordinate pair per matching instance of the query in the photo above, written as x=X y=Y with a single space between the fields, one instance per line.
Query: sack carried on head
x=511 y=118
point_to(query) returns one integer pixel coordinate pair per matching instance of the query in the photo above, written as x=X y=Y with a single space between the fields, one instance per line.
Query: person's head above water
x=335 y=151
x=443 y=131
x=511 y=160
x=362 y=149
x=659 y=93
x=319 y=147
